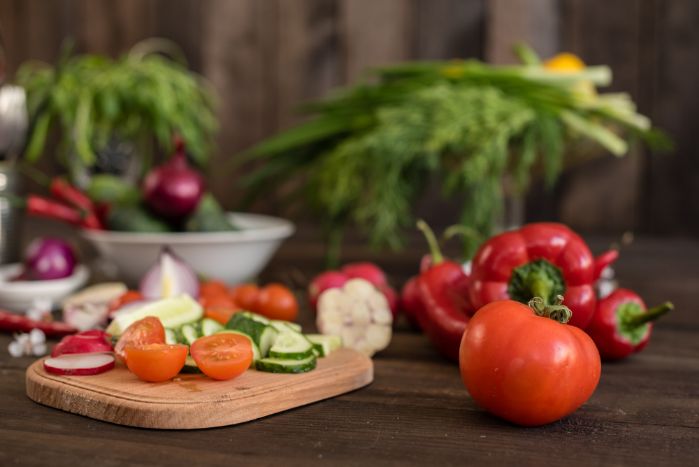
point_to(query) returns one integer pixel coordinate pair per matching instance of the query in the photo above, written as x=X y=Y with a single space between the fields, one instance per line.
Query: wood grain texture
x=192 y=400
x=416 y=412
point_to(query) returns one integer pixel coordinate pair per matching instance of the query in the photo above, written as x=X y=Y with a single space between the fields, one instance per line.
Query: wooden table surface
x=644 y=412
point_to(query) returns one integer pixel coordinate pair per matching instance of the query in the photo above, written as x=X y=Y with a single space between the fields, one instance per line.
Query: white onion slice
x=169 y=277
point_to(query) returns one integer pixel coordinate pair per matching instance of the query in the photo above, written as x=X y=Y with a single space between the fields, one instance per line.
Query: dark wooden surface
x=644 y=412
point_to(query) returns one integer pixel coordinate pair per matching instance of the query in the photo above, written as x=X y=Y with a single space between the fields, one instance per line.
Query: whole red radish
x=410 y=302
x=173 y=189
x=391 y=298
x=324 y=281
x=367 y=271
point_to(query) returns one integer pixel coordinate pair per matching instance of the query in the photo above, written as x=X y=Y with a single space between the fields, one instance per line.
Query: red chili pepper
x=40 y=206
x=64 y=191
x=10 y=322
x=541 y=259
x=444 y=311
x=44 y=207
x=622 y=325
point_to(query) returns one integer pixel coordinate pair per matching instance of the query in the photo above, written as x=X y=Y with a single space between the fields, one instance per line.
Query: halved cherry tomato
x=155 y=362
x=245 y=295
x=276 y=301
x=148 y=330
x=125 y=298
x=222 y=356
x=213 y=287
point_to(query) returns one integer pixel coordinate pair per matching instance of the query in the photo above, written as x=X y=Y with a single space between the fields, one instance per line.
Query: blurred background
x=265 y=58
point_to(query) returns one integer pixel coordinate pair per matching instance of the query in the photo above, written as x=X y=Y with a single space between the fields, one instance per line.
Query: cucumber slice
x=171 y=336
x=279 y=365
x=325 y=344
x=291 y=346
x=172 y=312
x=190 y=333
x=267 y=339
x=255 y=348
x=258 y=329
x=210 y=326
x=282 y=326
x=190 y=366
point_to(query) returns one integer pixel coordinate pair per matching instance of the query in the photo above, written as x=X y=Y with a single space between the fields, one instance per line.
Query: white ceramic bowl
x=232 y=257
x=19 y=295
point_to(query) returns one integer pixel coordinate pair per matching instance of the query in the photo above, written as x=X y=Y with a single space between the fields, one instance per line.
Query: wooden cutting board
x=195 y=401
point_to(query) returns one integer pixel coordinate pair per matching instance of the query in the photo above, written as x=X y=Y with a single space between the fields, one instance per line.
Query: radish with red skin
x=83 y=343
x=410 y=302
x=391 y=298
x=324 y=281
x=79 y=364
x=367 y=271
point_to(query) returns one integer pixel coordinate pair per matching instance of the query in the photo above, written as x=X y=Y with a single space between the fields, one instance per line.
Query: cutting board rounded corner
x=195 y=401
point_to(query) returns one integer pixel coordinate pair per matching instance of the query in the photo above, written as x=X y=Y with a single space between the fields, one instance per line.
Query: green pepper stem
x=539 y=285
x=650 y=315
x=432 y=243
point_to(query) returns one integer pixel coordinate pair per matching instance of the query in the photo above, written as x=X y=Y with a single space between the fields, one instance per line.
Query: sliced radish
x=79 y=364
x=359 y=313
x=85 y=342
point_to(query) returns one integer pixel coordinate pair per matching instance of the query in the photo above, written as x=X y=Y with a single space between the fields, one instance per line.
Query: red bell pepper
x=622 y=325
x=443 y=315
x=540 y=259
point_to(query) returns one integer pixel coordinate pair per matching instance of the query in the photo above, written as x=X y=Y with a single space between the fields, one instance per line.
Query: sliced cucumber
x=255 y=326
x=190 y=366
x=255 y=348
x=190 y=333
x=210 y=326
x=267 y=339
x=291 y=345
x=325 y=344
x=279 y=365
x=171 y=336
x=282 y=326
x=172 y=312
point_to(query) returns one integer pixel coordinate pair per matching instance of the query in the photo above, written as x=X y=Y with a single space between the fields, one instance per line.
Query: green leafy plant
x=138 y=97
x=368 y=152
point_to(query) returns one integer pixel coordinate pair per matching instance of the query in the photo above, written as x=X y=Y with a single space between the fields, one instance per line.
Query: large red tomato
x=526 y=368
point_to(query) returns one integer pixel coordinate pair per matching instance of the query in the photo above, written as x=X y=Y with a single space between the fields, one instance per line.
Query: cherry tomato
x=213 y=287
x=222 y=356
x=217 y=301
x=148 y=330
x=277 y=302
x=125 y=298
x=222 y=315
x=245 y=295
x=155 y=362
x=525 y=368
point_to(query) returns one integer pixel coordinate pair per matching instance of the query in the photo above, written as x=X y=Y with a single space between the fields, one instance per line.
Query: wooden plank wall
x=265 y=57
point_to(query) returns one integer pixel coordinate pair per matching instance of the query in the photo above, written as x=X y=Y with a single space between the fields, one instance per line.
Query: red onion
x=48 y=258
x=173 y=189
x=170 y=276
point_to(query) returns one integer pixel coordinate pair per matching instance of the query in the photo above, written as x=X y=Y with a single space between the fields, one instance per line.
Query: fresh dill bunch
x=368 y=152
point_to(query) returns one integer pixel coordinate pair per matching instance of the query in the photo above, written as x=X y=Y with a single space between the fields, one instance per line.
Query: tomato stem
x=556 y=311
